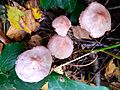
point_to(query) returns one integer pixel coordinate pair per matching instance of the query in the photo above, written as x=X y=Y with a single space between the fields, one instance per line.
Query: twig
x=74 y=60
x=115 y=28
x=112 y=8
x=85 y=64
x=97 y=77
x=106 y=2
x=94 y=51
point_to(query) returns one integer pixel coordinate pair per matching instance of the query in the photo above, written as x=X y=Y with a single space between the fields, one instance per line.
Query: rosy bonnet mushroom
x=61 y=25
x=33 y=65
x=60 y=47
x=95 y=19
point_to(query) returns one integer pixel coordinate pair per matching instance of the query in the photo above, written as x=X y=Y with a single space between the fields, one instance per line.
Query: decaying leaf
x=110 y=69
x=15 y=34
x=22 y=20
x=3 y=38
x=115 y=85
x=29 y=22
x=1 y=46
x=80 y=33
x=35 y=40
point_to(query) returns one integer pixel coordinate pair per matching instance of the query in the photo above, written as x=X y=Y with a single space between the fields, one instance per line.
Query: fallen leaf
x=29 y=22
x=3 y=38
x=80 y=33
x=1 y=46
x=36 y=13
x=34 y=6
x=35 y=40
x=45 y=87
x=15 y=34
x=14 y=15
x=115 y=85
x=110 y=69
x=22 y=20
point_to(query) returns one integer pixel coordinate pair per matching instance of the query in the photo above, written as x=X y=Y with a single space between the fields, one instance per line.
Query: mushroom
x=61 y=25
x=95 y=19
x=60 y=47
x=33 y=65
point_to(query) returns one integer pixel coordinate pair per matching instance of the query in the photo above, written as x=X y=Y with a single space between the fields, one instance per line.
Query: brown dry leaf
x=35 y=40
x=1 y=46
x=110 y=69
x=115 y=85
x=2 y=35
x=15 y=34
x=45 y=87
x=80 y=33
x=29 y=21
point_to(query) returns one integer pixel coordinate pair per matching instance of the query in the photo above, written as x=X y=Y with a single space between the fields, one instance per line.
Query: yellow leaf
x=45 y=86
x=36 y=13
x=15 y=34
x=14 y=15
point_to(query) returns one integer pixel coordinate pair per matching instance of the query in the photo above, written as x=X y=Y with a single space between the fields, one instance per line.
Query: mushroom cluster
x=34 y=65
x=60 y=45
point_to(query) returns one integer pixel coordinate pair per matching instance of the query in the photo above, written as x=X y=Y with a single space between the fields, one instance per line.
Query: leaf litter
x=27 y=21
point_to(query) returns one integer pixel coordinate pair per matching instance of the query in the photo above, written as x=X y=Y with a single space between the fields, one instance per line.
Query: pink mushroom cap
x=95 y=19
x=33 y=65
x=60 y=47
x=61 y=25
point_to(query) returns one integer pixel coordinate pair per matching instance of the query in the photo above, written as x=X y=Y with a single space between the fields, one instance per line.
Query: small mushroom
x=95 y=19
x=33 y=65
x=60 y=47
x=80 y=33
x=61 y=25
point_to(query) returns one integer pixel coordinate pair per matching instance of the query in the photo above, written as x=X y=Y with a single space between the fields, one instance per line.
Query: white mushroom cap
x=95 y=19
x=61 y=25
x=34 y=65
x=60 y=47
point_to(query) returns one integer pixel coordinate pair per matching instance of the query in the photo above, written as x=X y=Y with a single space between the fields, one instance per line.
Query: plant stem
x=106 y=48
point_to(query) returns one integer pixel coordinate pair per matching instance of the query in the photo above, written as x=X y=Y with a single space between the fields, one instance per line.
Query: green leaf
x=67 y=5
x=78 y=9
x=4 y=83
x=9 y=55
x=58 y=82
x=20 y=85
